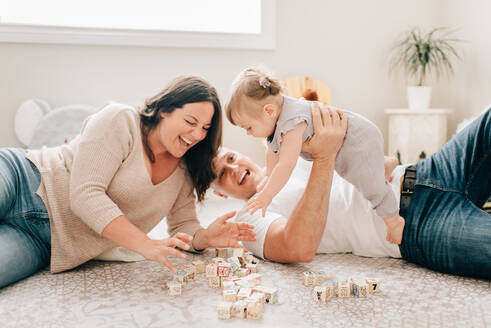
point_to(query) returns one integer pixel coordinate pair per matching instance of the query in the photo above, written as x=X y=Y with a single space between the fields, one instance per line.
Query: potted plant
x=420 y=55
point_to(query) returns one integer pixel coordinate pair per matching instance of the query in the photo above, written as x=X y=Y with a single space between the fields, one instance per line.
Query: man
x=445 y=230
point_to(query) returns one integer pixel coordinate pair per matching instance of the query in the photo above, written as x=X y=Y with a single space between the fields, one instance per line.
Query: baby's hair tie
x=264 y=82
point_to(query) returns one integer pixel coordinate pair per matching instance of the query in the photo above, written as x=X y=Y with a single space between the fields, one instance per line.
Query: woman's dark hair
x=199 y=158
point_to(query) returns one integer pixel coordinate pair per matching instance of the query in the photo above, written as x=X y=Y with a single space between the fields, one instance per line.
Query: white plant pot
x=418 y=97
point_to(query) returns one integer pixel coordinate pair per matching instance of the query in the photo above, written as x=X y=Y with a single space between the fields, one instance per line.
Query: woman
x=110 y=185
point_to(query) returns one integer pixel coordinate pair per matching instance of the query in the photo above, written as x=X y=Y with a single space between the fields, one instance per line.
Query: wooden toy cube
x=224 y=269
x=249 y=257
x=217 y=260
x=222 y=252
x=319 y=294
x=223 y=310
x=190 y=272
x=344 y=289
x=244 y=293
x=242 y=272
x=319 y=278
x=211 y=270
x=175 y=287
x=199 y=266
x=226 y=284
x=330 y=289
x=180 y=276
x=252 y=267
x=361 y=289
x=308 y=278
x=260 y=297
x=229 y=295
x=270 y=293
x=373 y=285
x=237 y=252
x=214 y=282
x=255 y=310
x=239 y=309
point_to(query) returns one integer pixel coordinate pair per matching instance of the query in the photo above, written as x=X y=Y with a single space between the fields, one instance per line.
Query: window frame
x=17 y=33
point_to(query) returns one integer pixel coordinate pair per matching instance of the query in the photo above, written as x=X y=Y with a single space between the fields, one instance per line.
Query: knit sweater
x=100 y=175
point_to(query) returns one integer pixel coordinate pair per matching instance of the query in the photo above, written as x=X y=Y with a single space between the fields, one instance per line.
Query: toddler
x=257 y=105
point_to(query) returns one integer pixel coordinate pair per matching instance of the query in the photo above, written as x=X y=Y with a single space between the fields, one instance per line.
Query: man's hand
x=330 y=128
x=221 y=233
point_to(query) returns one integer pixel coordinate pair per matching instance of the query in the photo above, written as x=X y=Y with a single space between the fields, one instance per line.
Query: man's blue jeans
x=446 y=229
x=25 y=240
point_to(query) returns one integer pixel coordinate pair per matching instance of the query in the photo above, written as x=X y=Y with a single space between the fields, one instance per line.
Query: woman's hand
x=159 y=250
x=329 y=131
x=221 y=233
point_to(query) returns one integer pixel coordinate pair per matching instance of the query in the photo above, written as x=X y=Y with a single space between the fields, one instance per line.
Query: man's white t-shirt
x=352 y=225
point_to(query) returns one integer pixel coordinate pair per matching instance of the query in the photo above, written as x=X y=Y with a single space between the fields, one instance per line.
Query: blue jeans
x=25 y=240
x=446 y=228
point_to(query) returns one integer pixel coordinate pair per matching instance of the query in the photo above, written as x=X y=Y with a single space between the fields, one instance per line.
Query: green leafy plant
x=420 y=54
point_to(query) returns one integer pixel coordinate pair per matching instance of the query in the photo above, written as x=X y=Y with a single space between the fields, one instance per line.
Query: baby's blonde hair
x=253 y=86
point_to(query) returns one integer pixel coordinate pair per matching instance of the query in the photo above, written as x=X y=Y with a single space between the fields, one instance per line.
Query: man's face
x=237 y=175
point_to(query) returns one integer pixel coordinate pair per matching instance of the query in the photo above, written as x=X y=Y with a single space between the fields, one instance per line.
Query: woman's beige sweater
x=101 y=175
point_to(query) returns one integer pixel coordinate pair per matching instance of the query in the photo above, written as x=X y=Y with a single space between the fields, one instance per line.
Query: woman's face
x=184 y=127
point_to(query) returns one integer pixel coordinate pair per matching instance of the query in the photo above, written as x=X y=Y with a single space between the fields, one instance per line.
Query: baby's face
x=259 y=127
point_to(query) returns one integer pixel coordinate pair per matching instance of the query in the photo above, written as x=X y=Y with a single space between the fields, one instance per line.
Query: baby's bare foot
x=395 y=228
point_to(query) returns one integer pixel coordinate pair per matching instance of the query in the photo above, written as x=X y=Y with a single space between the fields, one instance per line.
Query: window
x=183 y=23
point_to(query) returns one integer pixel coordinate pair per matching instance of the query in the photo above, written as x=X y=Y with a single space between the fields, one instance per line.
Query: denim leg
x=25 y=239
x=464 y=163
x=448 y=233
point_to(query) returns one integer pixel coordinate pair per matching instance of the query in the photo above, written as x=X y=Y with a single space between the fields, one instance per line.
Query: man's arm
x=297 y=239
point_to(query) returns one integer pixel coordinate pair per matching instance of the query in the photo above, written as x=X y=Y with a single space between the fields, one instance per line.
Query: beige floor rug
x=108 y=294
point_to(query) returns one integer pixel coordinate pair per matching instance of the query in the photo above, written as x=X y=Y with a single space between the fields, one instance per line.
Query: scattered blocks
x=319 y=278
x=222 y=252
x=211 y=270
x=244 y=293
x=271 y=294
x=224 y=269
x=180 y=276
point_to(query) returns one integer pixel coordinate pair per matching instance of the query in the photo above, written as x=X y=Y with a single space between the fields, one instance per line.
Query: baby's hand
x=261 y=201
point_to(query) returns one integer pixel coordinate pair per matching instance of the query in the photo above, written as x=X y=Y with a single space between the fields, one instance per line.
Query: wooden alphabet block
x=222 y=252
x=319 y=294
x=344 y=289
x=271 y=294
x=190 y=272
x=224 y=309
x=237 y=252
x=226 y=284
x=244 y=293
x=360 y=289
x=199 y=266
x=239 y=309
x=180 y=276
x=330 y=289
x=254 y=310
x=214 y=282
x=373 y=285
x=308 y=278
x=229 y=295
x=211 y=270
x=319 y=278
x=224 y=269
x=258 y=296
x=252 y=267
x=175 y=287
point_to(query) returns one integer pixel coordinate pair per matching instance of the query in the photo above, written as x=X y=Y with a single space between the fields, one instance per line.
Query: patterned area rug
x=116 y=294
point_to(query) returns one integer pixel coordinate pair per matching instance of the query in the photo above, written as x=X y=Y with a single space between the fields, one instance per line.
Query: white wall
x=342 y=43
